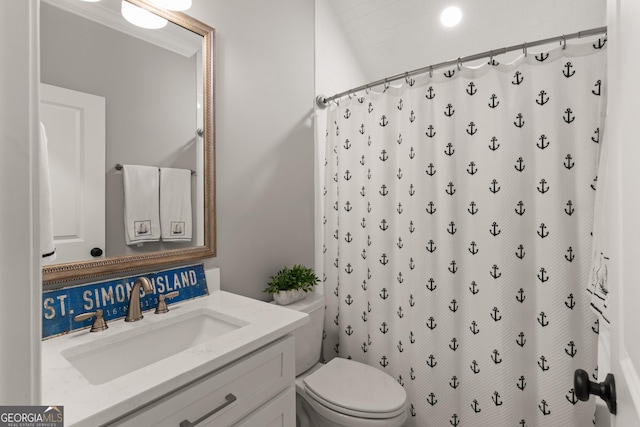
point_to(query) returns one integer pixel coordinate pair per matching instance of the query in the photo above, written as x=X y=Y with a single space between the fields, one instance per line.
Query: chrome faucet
x=134 y=312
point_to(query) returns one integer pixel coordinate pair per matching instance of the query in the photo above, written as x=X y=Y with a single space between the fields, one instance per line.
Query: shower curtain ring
x=459 y=64
x=430 y=71
x=564 y=42
x=524 y=49
x=408 y=79
x=491 y=57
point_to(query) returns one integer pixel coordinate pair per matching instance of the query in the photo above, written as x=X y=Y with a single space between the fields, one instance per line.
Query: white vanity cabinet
x=255 y=390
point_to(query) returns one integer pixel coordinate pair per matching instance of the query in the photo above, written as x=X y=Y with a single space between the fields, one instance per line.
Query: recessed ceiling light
x=451 y=16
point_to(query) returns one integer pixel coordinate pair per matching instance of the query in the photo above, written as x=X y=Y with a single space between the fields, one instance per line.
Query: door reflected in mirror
x=156 y=90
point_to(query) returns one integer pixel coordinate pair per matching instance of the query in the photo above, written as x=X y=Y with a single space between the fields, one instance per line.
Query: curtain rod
x=322 y=101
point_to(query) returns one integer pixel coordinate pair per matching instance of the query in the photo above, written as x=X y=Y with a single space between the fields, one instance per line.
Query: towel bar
x=119 y=167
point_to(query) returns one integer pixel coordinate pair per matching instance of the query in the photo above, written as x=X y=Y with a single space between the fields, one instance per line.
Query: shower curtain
x=458 y=210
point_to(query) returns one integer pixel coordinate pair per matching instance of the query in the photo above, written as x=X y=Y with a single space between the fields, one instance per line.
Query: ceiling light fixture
x=178 y=5
x=451 y=16
x=140 y=17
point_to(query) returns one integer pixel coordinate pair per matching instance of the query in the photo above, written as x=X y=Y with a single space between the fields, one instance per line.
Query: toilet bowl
x=340 y=393
x=349 y=393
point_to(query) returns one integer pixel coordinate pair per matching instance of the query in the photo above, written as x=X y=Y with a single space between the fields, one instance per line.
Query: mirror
x=165 y=120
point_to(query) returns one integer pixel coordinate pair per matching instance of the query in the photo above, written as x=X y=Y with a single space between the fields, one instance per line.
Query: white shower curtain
x=457 y=237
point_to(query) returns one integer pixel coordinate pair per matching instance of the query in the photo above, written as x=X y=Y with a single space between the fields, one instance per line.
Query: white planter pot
x=289 y=297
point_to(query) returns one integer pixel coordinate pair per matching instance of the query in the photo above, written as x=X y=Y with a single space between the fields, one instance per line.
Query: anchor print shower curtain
x=458 y=210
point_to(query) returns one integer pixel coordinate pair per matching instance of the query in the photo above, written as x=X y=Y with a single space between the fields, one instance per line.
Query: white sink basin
x=102 y=376
x=141 y=346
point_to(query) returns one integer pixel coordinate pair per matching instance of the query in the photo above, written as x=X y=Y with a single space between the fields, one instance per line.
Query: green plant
x=296 y=277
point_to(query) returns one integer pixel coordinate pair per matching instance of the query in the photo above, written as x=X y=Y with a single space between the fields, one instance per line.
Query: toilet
x=341 y=393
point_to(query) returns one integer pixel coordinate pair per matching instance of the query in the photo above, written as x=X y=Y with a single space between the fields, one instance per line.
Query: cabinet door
x=278 y=412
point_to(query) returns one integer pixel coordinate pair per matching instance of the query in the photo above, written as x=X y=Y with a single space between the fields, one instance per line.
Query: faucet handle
x=99 y=324
x=162 y=305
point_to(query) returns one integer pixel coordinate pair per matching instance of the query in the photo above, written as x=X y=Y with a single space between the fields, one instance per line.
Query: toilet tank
x=308 y=337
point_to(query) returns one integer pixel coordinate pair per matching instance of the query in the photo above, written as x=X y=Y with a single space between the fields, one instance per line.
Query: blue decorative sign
x=59 y=307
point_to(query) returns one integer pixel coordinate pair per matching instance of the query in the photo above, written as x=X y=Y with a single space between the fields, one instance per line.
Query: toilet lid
x=354 y=388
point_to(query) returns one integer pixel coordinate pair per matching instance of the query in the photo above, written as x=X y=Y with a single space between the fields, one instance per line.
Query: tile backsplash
x=60 y=306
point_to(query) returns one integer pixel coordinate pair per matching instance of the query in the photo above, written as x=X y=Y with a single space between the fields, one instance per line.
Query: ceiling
x=390 y=37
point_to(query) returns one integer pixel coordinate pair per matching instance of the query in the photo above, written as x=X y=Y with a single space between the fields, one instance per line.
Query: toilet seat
x=355 y=389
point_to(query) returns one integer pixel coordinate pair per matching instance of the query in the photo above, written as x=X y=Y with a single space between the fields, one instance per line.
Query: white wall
x=264 y=138
x=336 y=62
x=336 y=68
x=20 y=277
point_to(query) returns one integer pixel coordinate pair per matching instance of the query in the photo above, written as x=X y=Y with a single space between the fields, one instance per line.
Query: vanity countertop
x=87 y=404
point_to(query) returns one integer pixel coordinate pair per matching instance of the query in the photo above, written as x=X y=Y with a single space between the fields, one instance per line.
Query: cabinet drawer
x=224 y=396
x=278 y=412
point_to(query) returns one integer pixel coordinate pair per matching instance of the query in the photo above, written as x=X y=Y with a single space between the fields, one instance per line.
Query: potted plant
x=291 y=284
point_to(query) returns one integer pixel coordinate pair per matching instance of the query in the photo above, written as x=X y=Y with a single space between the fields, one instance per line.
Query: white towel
x=141 y=204
x=47 y=246
x=175 y=204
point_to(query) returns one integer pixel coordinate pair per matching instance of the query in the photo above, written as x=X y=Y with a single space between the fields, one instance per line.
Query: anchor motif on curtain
x=450 y=231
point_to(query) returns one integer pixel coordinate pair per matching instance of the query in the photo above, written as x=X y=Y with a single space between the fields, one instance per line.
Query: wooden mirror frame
x=82 y=270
